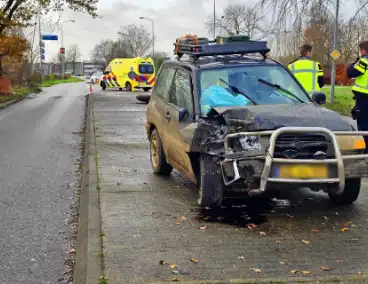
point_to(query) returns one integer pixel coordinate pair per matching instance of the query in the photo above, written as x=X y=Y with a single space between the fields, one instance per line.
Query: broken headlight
x=250 y=143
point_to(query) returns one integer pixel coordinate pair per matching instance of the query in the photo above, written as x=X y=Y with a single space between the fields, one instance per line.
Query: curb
x=88 y=261
x=319 y=279
x=8 y=103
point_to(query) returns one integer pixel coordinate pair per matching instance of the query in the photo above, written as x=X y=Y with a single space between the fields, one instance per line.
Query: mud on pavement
x=154 y=232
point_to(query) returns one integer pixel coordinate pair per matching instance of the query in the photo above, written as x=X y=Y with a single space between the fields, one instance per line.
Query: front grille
x=300 y=146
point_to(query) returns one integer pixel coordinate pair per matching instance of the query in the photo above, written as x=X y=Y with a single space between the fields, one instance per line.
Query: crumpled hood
x=270 y=117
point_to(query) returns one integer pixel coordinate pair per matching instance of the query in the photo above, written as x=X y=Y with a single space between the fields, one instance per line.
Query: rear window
x=146 y=68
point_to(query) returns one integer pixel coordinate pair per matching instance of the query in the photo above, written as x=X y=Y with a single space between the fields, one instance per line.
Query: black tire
x=350 y=193
x=146 y=89
x=210 y=183
x=103 y=86
x=158 y=163
x=128 y=87
x=120 y=89
x=143 y=98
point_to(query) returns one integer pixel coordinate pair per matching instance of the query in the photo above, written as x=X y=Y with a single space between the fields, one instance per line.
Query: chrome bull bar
x=269 y=159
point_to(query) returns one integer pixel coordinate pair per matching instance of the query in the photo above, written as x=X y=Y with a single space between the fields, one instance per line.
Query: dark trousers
x=361 y=105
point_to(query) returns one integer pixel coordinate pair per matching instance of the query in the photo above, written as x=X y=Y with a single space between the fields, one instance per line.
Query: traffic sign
x=50 y=37
x=335 y=54
x=62 y=50
x=43 y=51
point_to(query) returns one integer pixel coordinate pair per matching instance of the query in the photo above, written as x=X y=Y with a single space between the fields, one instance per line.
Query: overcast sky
x=172 y=18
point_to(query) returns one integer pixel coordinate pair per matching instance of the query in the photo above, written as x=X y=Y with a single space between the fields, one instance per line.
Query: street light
x=62 y=46
x=214 y=19
x=153 y=34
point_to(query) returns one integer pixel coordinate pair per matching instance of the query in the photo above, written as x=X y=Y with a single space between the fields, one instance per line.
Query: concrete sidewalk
x=151 y=222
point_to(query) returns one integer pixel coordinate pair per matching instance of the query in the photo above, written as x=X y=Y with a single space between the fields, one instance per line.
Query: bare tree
x=136 y=41
x=73 y=55
x=239 y=19
x=108 y=49
x=103 y=50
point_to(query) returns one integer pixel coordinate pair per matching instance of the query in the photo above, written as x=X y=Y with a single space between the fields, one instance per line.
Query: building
x=90 y=67
x=76 y=69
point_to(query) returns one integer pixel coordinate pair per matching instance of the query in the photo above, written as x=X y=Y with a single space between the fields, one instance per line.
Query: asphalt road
x=40 y=140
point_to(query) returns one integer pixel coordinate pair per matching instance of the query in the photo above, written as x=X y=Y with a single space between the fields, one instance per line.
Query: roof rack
x=191 y=46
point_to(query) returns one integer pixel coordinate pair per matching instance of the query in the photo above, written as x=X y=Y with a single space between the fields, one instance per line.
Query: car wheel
x=157 y=155
x=210 y=183
x=128 y=87
x=146 y=89
x=350 y=193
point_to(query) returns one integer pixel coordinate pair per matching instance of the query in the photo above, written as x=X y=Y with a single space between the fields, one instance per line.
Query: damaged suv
x=270 y=134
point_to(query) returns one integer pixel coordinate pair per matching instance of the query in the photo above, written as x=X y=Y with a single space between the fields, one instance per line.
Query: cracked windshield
x=207 y=141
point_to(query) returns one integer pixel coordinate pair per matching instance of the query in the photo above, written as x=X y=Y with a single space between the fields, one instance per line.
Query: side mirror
x=182 y=114
x=319 y=98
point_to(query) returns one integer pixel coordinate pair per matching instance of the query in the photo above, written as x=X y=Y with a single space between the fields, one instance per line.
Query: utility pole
x=334 y=46
x=62 y=55
x=214 y=19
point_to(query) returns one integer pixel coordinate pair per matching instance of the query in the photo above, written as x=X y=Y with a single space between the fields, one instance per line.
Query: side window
x=108 y=69
x=181 y=94
x=164 y=82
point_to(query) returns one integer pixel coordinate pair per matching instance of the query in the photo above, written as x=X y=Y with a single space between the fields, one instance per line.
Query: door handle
x=168 y=115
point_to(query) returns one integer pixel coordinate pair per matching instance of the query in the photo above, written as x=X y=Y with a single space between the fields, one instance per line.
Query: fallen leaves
x=194 y=260
x=305 y=272
x=173 y=266
x=203 y=227
x=175 y=280
x=262 y=233
x=325 y=268
x=315 y=231
x=344 y=229
x=240 y=257
x=251 y=226
x=256 y=270
x=162 y=262
x=182 y=218
x=306 y=242
x=359 y=273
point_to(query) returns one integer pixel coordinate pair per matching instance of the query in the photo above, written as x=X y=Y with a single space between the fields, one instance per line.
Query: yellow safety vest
x=361 y=82
x=306 y=71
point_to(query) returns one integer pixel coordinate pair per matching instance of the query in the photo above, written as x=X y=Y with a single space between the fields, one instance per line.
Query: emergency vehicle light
x=213 y=48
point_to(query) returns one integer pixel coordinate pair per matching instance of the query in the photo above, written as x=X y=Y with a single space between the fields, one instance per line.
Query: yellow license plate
x=312 y=171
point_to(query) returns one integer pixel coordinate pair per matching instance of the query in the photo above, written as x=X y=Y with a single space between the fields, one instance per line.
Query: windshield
x=146 y=68
x=261 y=85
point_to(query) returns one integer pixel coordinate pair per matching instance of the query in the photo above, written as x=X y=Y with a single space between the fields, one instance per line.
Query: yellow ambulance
x=129 y=74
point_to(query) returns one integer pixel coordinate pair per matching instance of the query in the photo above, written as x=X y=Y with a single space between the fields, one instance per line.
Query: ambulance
x=129 y=74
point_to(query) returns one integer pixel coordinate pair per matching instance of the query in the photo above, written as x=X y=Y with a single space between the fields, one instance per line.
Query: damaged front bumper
x=264 y=163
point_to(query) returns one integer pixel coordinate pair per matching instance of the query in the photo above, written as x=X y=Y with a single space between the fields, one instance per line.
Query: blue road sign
x=43 y=57
x=50 y=37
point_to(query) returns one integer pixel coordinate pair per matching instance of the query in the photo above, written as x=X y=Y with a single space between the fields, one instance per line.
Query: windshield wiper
x=236 y=90
x=278 y=87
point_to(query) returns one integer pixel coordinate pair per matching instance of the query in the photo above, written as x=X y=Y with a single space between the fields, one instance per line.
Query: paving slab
x=148 y=220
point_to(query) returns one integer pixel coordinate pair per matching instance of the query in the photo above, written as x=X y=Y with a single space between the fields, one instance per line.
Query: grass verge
x=49 y=83
x=343 y=102
x=19 y=93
